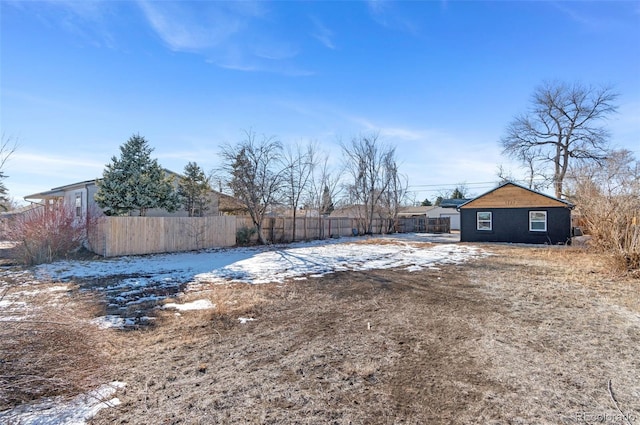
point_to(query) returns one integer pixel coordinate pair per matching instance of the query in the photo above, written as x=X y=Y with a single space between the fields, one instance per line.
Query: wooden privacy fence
x=112 y=236
x=424 y=225
x=280 y=229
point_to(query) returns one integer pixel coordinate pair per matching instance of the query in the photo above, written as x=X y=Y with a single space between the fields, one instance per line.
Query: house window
x=484 y=221
x=78 y=204
x=537 y=221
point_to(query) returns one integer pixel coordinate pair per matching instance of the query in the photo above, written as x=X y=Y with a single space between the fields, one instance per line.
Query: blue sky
x=438 y=80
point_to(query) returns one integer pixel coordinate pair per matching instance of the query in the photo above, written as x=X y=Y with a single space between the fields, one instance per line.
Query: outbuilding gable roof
x=513 y=195
x=58 y=192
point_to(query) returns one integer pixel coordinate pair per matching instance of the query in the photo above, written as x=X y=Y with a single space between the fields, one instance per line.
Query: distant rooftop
x=452 y=203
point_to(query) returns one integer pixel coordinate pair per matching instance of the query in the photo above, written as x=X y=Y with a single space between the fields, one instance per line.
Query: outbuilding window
x=484 y=221
x=537 y=221
x=79 y=204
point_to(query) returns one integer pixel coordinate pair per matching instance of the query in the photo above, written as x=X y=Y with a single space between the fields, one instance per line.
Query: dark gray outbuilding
x=515 y=214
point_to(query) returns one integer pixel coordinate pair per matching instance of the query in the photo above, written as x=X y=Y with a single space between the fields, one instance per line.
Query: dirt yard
x=526 y=335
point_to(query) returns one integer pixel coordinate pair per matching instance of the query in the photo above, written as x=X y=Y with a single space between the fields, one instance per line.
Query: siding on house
x=80 y=197
x=511 y=195
x=512 y=225
x=510 y=207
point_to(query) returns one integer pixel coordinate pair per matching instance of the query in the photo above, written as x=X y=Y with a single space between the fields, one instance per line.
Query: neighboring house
x=80 y=196
x=6 y=218
x=349 y=211
x=413 y=212
x=516 y=214
x=447 y=208
x=442 y=212
x=77 y=195
x=452 y=203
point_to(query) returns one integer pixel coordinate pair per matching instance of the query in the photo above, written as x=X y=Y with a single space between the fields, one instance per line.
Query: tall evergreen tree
x=194 y=190
x=457 y=194
x=327 y=204
x=135 y=181
x=5 y=202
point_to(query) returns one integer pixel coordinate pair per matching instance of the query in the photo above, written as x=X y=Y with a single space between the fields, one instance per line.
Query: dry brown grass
x=527 y=335
x=383 y=241
x=52 y=349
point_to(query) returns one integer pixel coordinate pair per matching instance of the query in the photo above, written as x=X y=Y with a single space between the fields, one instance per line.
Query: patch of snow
x=159 y=267
x=194 y=305
x=136 y=279
x=113 y=321
x=11 y=318
x=319 y=260
x=149 y=279
x=56 y=288
x=140 y=279
x=54 y=411
x=6 y=304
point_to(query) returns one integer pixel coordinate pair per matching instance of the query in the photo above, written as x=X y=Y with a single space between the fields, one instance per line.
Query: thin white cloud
x=45 y=164
x=30 y=172
x=86 y=20
x=574 y=15
x=274 y=50
x=184 y=28
x=323 y=34
x=387 y=14
x=231 y=35
x=401 y=133
x=592 y=21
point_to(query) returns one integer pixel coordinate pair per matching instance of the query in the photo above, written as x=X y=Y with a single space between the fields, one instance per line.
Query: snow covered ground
x=132 y=285
x=141 y=279
x=54 y=411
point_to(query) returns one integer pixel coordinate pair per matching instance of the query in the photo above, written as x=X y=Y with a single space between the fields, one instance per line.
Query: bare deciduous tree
x=324 y=186
x=254 y=174
x=393 y=198
x=373 y=167
x=564 y=125
x=8 y=146
x=298 y=168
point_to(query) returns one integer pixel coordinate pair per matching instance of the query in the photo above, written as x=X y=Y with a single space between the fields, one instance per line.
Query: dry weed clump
x=233 y=301
x=51 y=349
x=608 y=206
x=614 y=226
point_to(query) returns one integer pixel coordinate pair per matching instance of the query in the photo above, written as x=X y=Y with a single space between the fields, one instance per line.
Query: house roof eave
x=567 y=203
x=54 y=193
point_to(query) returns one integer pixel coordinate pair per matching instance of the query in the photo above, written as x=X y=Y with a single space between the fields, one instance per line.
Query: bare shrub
x=608 y=205
x=51 y=350
x=614 y=228
x=46 y=233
